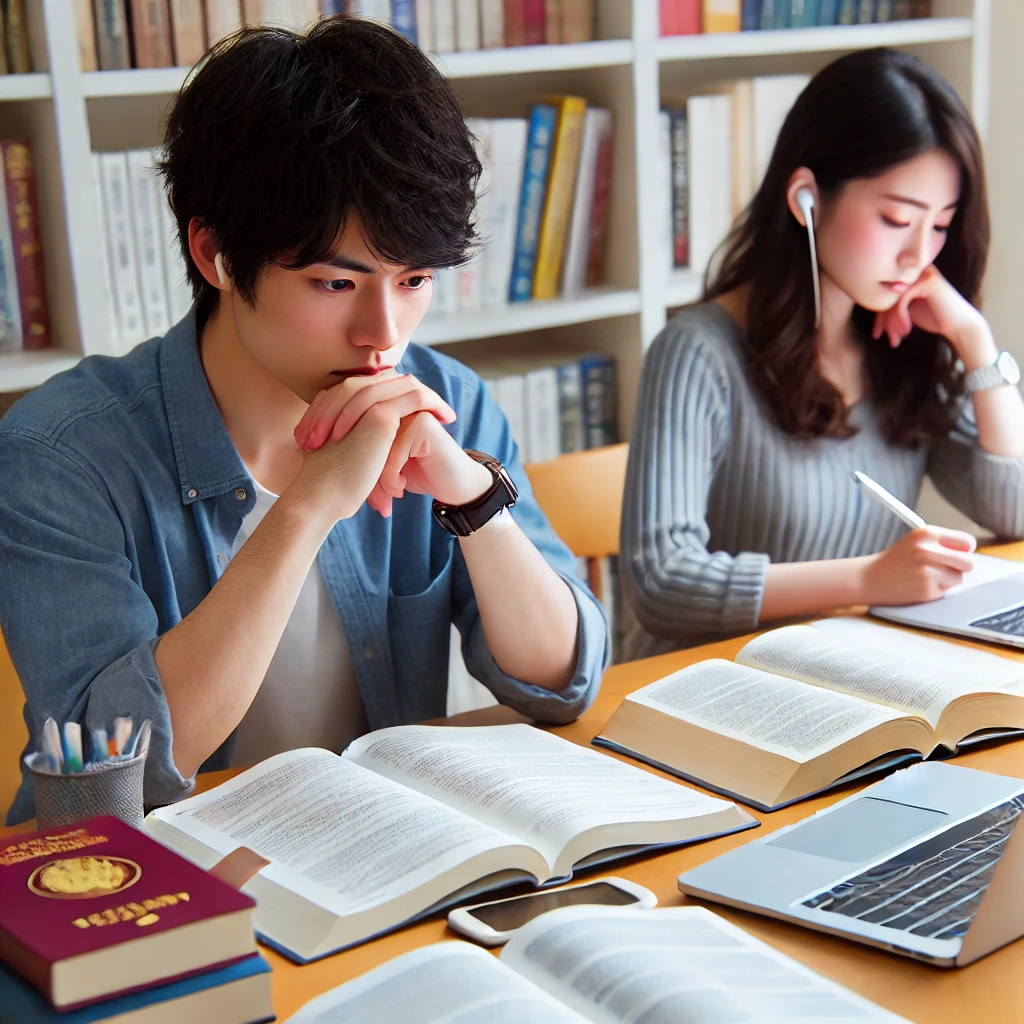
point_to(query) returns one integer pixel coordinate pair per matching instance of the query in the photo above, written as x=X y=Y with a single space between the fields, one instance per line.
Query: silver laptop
x=928 y=863
x=988 y=605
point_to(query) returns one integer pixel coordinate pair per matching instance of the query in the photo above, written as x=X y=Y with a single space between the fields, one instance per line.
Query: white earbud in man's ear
x=222 y=275
x=805 y=200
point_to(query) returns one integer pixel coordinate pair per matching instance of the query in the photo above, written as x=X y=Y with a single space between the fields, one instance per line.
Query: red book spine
x=680 y=17
x=23 y=210
x=513 y=12
x=534 y=22
x=599 y=212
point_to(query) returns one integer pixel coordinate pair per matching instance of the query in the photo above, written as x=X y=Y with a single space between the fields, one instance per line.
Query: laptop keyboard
x=1010 y=622
x=933 y=889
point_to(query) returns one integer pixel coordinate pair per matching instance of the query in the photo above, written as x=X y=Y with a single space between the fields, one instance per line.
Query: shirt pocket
x=419 y=626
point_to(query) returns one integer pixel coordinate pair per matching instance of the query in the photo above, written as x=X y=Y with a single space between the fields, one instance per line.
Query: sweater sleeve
x=988 y=488
x=678 y=588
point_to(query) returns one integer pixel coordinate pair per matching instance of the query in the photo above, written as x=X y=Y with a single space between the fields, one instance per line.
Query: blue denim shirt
x=122 y=494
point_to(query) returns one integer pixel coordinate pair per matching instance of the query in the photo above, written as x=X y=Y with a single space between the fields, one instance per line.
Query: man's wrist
x=477 y=481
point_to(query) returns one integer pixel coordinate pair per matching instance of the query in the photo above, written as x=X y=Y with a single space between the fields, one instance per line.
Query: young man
x=241 y=530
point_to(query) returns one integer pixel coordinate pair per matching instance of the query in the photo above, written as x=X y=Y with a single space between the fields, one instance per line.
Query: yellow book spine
x=723 y=15
x=565 y=155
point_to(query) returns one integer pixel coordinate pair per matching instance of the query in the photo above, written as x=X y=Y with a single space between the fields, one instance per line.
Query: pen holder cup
x=112 y=787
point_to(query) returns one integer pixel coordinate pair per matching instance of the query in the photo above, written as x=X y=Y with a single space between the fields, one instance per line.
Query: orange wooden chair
x=581 y=494
x=13 y=733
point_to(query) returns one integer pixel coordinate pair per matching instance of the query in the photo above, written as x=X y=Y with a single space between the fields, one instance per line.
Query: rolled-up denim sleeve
x=79 y=627
x=486 y=429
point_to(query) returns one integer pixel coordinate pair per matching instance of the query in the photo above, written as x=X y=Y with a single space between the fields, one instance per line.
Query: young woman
x=755 y=406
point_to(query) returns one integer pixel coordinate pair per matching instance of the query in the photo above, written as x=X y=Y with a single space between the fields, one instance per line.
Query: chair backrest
x=13 y=733
x=581 y=494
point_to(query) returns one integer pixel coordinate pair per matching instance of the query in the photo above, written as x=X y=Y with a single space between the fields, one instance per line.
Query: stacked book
x=118 y=34
x=714 y=151
x=24 y=321
x=143 y=270
x=542 y=208
x=98 y=922
x=690 y=17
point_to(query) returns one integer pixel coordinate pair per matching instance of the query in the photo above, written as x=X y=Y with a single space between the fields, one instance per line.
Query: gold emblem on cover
x=75 y=878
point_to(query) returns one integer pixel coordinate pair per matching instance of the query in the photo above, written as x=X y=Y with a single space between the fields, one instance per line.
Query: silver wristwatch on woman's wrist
x=1003 y=371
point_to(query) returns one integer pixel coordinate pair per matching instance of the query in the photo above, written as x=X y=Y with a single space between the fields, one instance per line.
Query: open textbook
x=416 y=817
x=592 y=964
x=804 y=708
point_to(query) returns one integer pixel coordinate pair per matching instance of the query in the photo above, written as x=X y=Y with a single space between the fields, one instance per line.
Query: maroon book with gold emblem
x=97 y=909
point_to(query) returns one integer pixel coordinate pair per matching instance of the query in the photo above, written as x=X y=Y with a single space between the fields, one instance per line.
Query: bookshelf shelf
x=595 y=304
x=524 y=59
x=630 y=71
x=684 y=286
x=34 y=86
x=20 y=371
x=136 y=82
x=814 y=40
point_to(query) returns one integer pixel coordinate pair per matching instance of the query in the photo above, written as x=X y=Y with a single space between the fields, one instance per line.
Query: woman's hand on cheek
x=934 y=305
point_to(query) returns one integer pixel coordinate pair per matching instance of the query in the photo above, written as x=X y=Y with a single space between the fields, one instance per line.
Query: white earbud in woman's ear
x=805 y=200
x=222 y=275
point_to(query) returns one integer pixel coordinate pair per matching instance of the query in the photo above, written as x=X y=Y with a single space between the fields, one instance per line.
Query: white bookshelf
x=67 y=114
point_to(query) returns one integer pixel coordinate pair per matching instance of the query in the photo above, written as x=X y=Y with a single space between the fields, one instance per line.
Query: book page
x=673 y=966
x=898 y=682
x=780 y=715
x=335 y=833
x=536 y=786
x=987 y=670
x=450 y=982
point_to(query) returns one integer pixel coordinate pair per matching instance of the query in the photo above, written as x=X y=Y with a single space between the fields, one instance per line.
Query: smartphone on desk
x=492 y=924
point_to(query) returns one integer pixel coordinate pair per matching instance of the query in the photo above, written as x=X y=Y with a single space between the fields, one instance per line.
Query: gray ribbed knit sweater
x=715 y=490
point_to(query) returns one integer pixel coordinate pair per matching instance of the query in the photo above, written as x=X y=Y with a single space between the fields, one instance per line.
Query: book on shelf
x=413 y=818
x=680 y=17
x=690 y=17
x=543 y=119
x=19 y=57
x=445 y=35
x=188 y=31
x=26 y=242
x=237 y=994
x=806 y=708
x=507 y=157
x=534 y=22
x=150 y=22
x=142 y=264
x=554 y=406
x=10 y=306
x=721 y=16
x=599 y=964
x=113 y=46
x=85 y=32
x=558 y=193
x=98 y=909
x=589 y=205
x=714 y=153
x=222 y=18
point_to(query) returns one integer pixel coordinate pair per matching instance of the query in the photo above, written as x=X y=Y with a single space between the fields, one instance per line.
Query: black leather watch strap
x=462 y=520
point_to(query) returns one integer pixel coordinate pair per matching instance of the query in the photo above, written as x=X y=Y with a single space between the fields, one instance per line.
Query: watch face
x=1008 y=368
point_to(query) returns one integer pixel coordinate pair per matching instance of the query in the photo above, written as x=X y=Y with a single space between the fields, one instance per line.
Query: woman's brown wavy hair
x=860 y=116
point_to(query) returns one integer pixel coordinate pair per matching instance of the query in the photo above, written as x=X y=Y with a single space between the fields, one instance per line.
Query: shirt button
x=368 y=650
x=240 y=494
x=192 y=493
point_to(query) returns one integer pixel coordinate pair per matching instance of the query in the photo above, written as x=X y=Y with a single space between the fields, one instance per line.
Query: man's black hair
x=279 y=136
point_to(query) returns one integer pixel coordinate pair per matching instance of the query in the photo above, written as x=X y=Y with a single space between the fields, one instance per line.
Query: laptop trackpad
x=860 y=830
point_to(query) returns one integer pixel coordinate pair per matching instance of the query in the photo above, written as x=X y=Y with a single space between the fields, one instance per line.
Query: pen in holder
x=111 y=786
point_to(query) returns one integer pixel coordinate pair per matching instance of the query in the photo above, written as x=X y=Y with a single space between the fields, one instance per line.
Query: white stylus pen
x=887 y=500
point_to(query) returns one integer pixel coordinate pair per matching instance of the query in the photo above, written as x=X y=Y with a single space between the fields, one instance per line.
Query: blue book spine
x=847 y=12
x=829 y=12
x=21 y=1003
x=782 y=8
x=531 y=201
x=803 y=13
x=768 y=13
x=751 y=16
x=403 y=18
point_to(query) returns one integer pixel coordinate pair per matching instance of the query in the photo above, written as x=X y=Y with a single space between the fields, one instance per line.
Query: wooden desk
x=990 y=990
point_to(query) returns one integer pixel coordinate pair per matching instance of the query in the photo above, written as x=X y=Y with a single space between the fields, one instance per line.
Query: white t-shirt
x=309 y=696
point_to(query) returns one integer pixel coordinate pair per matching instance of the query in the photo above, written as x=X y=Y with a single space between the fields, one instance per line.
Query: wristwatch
x=1003 y=371
x=462 y=520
